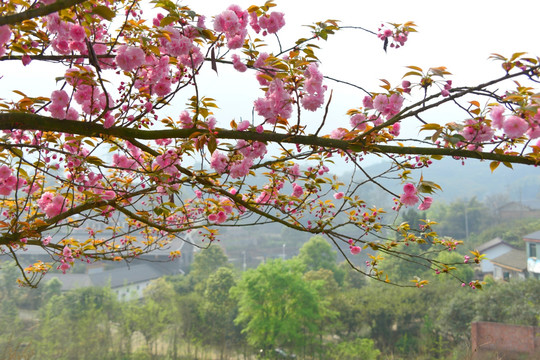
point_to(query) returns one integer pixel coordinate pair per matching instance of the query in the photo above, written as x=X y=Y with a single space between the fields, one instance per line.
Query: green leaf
x=493 y=165
x=104 y=12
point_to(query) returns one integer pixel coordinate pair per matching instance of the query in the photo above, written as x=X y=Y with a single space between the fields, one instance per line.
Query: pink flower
x=426 y=204
x=26 y=59
x=338 y=195
x=272 y=23
x=408 y=199
x=219 y=162
x=5 y=172
x=297 y=190
x=358 y=122
x=367 y=102
x=243 y=125
x=46 y=240
x=409 y=188
x=162 y=88
x=497 y=116
x=338 y=133
x=5 y=34
x=77 y=32
x=238 y=64
x=60 y=97
x=241 y=168
x=395 y=129
x=129 y=57
x=515 y=127
x=380 y=102
x=355 y=250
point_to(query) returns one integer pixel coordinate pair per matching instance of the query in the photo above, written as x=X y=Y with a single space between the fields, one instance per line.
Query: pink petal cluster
x=388 y=105
x=426 y=204
x=314 y=97
x=52 y=204
x=177 y=44
x=5 y=36
x=338 y=195
x=59 y=106
x=276 y=103
x=514 y=126
x=497 y=116
x=355 y=250
x=272 y=23
x=397 y=37
x=233 y=22
x=477 y=131
x=297 y=190
x=8 y=182
x=238 y=64
x=219 y=162
x=409 y=197
x=358 y=122
x=129 y=57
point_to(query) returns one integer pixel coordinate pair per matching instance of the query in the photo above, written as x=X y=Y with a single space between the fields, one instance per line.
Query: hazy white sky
x=457 y=34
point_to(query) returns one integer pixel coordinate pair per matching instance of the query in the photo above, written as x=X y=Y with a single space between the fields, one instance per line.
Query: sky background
x=460 y=35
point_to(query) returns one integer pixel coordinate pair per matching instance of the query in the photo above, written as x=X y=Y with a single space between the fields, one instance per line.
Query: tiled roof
x=514 y=260
x=533 y=236
x=491 y=243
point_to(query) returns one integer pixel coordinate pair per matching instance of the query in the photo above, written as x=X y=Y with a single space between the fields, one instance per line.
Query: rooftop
x=514 y=260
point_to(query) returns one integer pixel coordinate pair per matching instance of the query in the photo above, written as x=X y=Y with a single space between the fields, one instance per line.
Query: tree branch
x=41 y=11
x=26 y=121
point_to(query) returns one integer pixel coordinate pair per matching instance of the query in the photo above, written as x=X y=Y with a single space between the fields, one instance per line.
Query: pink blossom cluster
x=446 y=90
x=239 y=167
x=233 y=22
x=167 y=162
x=514 y=126
x=398 y=37
x=477 y=131
x=52 y=204
x=129 y=57
x=276 y=104
x=176 y=44
x=409 y=197
x=313 y=87
x=59 y=107
x=358 y=122
x=70 y=37
x=8 y=182
x=66 y=259
x=5 y=36
x=388 y=106
x=355 y=250
x=271 y=23
x=90 y=97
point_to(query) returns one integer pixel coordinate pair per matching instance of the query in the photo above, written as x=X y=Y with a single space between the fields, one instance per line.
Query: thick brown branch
x=26 y=121
x=41 y=11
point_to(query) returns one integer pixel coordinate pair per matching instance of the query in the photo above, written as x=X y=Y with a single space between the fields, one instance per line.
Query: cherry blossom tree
x=102 y=156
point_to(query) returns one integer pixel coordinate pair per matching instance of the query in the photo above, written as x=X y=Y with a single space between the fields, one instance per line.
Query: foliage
x=101 y=168
x=276 y=306
x=356 y=349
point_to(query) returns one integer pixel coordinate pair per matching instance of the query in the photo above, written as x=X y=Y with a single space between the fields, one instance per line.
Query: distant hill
x=474 y=178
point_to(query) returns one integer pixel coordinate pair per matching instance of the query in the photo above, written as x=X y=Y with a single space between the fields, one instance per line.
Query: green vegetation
x=281 y=307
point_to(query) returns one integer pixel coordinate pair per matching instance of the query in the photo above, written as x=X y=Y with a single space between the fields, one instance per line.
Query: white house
x=492 y=249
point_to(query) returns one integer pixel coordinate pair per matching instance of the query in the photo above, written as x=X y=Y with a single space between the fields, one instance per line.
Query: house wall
x=512 y=340
x=492 y=253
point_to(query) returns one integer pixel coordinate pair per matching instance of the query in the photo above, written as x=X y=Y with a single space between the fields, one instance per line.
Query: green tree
x=277 y=306
x=77 y=325
x=205 y=263
x=317 y=254
x=356 y=349
x=219 y=310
